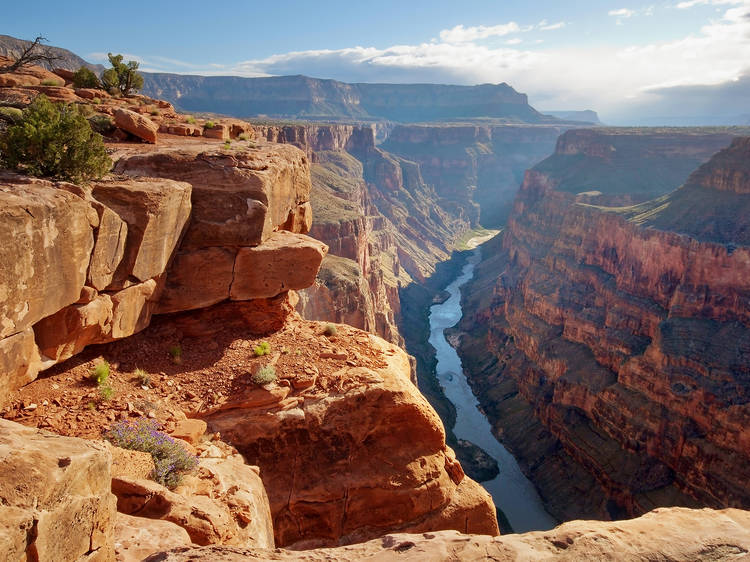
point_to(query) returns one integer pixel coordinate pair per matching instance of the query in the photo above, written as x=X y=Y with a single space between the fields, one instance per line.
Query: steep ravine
x=609 y=346
x=513 y=494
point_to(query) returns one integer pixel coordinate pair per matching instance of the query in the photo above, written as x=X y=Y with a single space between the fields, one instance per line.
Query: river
x=512 y=492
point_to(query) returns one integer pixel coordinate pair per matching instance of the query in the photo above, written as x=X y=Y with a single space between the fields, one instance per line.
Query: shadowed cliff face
x=476 y=167
x=619 y=339
x=386 y=226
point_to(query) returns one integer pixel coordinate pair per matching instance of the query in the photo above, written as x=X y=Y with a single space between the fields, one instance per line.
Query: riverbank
x=512 y=492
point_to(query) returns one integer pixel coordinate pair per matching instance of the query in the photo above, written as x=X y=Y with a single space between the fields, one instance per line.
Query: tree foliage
x=34 y=53
x=85 y=78
x=55 y=141
x=122 y=76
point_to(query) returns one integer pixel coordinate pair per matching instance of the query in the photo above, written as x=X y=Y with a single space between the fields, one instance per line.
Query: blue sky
x=602 y=55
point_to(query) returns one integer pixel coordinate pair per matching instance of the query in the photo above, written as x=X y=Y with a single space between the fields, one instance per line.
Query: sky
x=619 y=58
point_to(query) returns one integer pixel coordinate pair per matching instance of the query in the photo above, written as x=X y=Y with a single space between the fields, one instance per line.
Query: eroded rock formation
x=92 y=265
x=619 y=338
x=675 y=534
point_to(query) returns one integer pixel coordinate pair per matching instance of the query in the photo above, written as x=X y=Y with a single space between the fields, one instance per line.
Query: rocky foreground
x=618 y=338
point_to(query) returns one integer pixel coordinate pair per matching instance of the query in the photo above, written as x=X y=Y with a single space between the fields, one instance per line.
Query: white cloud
x=514 y=41
x=552 y=26
x=692 y=3
x=622 y=13
x=461 y=34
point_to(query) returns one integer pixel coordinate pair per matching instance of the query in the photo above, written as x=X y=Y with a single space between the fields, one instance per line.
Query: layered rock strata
x=364 y=457
x=92 y=265
x=619 y=338
x=476 y=167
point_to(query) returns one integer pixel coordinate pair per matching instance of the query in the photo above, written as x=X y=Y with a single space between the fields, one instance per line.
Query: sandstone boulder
x=20 y=362
x=138 y=537
x=284 y=261
x=238 y=197
x=679 y=535
x=44 y=268
x=55 y=492
x=223 y=503
x=136 y=124
x=218 y=131
x=363 y=459
x=156 y=212
x=57 y=93
x=64 y=73
x=17 y=97
x=91 y=93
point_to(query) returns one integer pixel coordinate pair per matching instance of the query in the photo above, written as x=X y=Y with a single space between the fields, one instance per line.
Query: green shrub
x=144 y=379
x=208 y=125
x=171 y=460
x=263 y=348
x=122 y=77
x=264 y=375
x=102 y=124
x=175 y=352
x=227 y=145
x=99 y=373
x=106 y=392
x=330 y=330
x=243 y=137
x=50 y=83
x=190 y=119
x=56 y=141
x=85 y=78
x=155 y=112
x=96 y=101
x=11 y=115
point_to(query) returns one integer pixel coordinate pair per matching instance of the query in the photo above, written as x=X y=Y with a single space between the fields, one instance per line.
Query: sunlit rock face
x=620 y=337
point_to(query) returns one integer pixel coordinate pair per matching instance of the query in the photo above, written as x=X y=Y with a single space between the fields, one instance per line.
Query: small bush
x=56 y=141
x=243 y=137
x=99 y=373
x=85 y=78
x=102 y=124
x=330 y=330
x=50 y=83
x=227 y=145
x=11 y=115
x=144 y=379
x=155 y=112
x=209 y=125
x=171 y=460
x=264 y=375
x=96 y=101
x=190 y=119
x=175 y=352
x=263 y=348
x=106 y=392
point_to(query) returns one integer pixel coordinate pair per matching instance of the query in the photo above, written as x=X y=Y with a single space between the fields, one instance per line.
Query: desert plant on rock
x=144 y=379
x=263 y=348
x=330 y=330
x=33 y=53
x=56 y=141
x=171 y=460
x=175 y=352
x=99 y=373
x=209 y=125
x=264 y=375
x=85 y=78
x=122 y=77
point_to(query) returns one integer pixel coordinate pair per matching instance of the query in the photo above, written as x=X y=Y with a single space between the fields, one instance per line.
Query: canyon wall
x=609 y=346
x=93 y=264
x=303 y=97
x=476 y=167
x=384 y=225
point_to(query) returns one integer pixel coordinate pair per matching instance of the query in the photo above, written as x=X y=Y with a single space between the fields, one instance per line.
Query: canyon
x=604 y=333
x=616 y=337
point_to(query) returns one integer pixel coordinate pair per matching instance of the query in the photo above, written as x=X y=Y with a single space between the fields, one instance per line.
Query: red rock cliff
x=621 y=339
